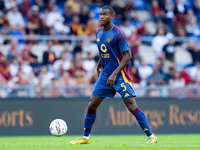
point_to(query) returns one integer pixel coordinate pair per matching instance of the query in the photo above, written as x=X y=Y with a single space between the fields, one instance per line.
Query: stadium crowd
x=170 y=18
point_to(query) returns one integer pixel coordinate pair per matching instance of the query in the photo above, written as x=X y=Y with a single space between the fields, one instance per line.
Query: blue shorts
x=101 y=89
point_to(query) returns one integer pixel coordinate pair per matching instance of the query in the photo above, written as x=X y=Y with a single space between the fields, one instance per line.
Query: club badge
x=108 y=40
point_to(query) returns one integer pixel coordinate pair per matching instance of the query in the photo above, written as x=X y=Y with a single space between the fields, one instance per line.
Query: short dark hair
x=109 y=8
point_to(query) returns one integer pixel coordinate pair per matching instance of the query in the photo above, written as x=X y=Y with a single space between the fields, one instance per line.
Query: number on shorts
x=122 y=85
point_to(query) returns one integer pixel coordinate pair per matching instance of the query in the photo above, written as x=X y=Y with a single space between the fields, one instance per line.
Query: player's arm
x=125 y=60
x=99 y=67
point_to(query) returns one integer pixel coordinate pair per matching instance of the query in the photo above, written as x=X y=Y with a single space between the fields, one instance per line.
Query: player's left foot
x=152 y=139
x=81 y=140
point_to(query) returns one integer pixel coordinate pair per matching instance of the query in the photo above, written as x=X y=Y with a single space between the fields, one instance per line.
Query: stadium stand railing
x=86 y=90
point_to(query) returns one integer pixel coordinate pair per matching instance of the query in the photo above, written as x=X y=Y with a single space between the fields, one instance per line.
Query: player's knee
x=131 y=107
x=130 y=104
x=92 y=106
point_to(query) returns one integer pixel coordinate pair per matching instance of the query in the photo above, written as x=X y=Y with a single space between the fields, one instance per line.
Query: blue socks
x=139 y=115
x=142 y=120
x=89 y=120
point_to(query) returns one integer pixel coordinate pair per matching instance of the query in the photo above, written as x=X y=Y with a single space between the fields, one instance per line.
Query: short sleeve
x=122 y=42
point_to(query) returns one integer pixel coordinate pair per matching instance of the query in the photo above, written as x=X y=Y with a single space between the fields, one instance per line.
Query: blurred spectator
x=129 y=6
x=5 y=73
x=169 y=13
x=55 y=19
x=45 y=77
x=136 y=22
x=2 y=80
x=3 y=19
x=74 y=4
x=159 y=64
x=68 y=16
x=127 y=28
x=24 y=7
x=14 y=67
x=191 y=47
x=34 y=21
x=168 y=52
x=77 y=71
x=84 y=15
x=180 y=32
x=2 y=5
x=15 y=19
x=44 y=14
x=52 y=32
x=180 y=15
x=144 y=72
x=197 y=9
x=89 y=29
x=190 y=14
x=185 y=75
x=118 y=10
x=61 y=65
x=135 y=73
x=192 y=27
x=134 y=42
x=195 y=73
x=89 y=64
x=157 y=11
x=25 y=66
x=9 y=4
x=78 y=47
x=156 y=78
x=159 y=41
x=15 y=49
x=49 y=56
x=35 y=65
x=43 y=29
x=106 y=2
x=69 y=55
x=55 y=91
x=23 y=78
x=51 y=4
x=180 y=7
x=26 y=54
x=3 y=64
x=177 y=80
x=40 y=4
x=4 y=31
x=3 y=61
x=169 y=75
x=76 y=27
x=66 y=79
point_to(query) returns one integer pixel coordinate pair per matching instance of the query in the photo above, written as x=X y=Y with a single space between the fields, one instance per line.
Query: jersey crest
x=108 y=40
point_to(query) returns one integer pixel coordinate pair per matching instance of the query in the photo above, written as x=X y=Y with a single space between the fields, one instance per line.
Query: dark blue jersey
x=111 y=45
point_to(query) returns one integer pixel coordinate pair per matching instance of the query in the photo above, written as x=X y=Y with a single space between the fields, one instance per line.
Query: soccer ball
x=58 y=127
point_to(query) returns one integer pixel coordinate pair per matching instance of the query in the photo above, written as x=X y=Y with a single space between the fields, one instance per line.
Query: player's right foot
x=81 y=140
x=153 y=139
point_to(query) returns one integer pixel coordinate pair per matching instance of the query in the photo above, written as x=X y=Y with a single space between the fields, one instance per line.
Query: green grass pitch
x=118 y=142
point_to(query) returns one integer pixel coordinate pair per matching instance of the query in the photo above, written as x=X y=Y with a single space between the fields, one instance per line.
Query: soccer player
x=114 y=72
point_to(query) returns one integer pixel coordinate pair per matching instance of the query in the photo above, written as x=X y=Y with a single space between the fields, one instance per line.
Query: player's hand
x=99 y=70
x=111 y=80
